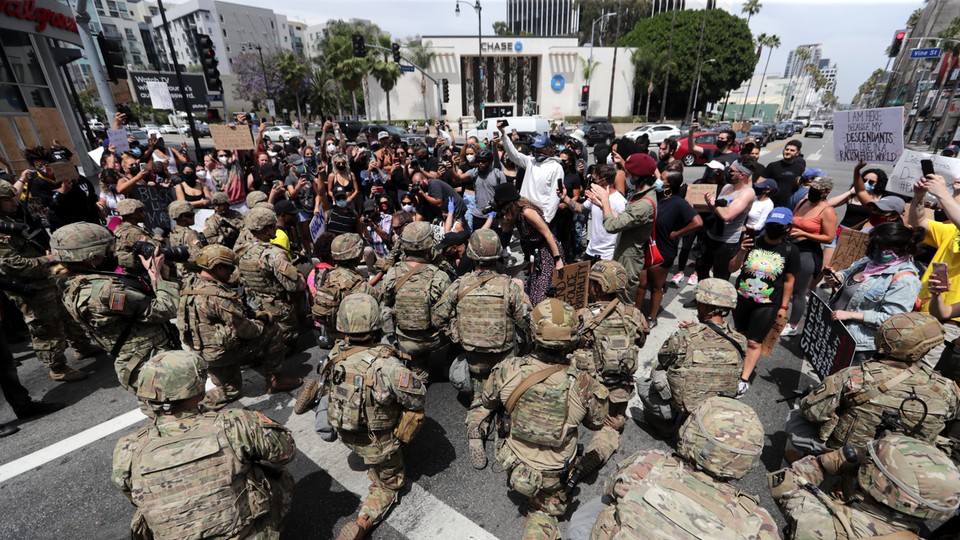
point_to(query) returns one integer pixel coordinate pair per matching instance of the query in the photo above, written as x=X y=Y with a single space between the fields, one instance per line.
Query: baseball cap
x=768 y=184
x=454 y=239
x=640 y=165
x=715 y=165
x=383 y=135
x=951 y=151
x=153 y=132
x=295 y=160
x=812 y=172
x=780 y=215
x=369 y=205
x=541 y=141
x=285 y=206
x=339 y=191
x=505 y=193
x=889 y=204
x=361 y=139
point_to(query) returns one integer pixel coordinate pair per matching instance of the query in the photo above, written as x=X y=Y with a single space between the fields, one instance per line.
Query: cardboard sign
x=572 y=285
x=200 y=219
x=907 y=171
x=156 y=199
x=851 y=247
x=118 y=140
x=773 y=336
x=317 y=225
x=64 y=170
x=826 y=343
x=695 y=193
x=231 y=137
x=160 y=95
x=873 y=135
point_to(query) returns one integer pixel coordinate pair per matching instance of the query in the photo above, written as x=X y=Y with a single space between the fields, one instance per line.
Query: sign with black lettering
x=873 y=135
x=572 y=284
x=194 y=88
x=156 y=199
x=826 y=343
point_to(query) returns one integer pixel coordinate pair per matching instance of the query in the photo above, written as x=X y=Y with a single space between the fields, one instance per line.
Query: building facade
x=796 y=61
x=765 y=99
x=543 y=17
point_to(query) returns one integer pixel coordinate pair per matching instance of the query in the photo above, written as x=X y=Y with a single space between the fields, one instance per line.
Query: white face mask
x=471 y=157
x=223 y=160
x=201 y=174
x=610 y=158
x=407 y=208
x=331 y=148
x=272 y=154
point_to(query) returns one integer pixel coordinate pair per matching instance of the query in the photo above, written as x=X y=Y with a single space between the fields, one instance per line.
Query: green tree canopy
x=609 y=31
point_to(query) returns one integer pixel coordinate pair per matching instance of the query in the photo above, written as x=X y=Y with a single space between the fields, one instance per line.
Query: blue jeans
x=470 y=199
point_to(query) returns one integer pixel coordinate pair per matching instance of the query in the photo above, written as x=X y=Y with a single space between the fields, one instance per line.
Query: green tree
x=295 y=77
x=628 y=13
x=385 y=70
x=422 y=55
x=914 y=18
x=869 y=87
x=751 y=8
x=650 y=66
x=337 y=51
x=734 y=54
x=500 y=28
x=90 y=103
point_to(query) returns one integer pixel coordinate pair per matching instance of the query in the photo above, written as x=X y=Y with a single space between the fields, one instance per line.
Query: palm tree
x=652 y=65
x=422 y=55
x=771 y=42
x=385 y=71
x=914 y=18
x=751 y=8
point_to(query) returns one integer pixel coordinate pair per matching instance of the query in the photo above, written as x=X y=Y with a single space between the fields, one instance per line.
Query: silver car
x=814 y=130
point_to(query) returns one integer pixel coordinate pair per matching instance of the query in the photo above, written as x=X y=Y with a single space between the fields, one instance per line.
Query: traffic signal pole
x=176 y=69
x=96 y=67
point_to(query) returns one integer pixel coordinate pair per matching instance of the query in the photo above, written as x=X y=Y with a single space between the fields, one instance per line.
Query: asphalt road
x=55 y=473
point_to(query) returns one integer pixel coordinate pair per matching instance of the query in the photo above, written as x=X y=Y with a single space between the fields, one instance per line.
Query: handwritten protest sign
x=907 y=171
x=572 y=285
x=826 y=343
x=64 y=170
x=231 y=138
x=773 y=336
x=695 y=193
x=317 y=225
x=156 y=199
x=851 y=247
x=118 y=140
x=873 y=135
x=160 y=95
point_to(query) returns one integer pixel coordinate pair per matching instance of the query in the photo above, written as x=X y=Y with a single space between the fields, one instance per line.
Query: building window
x=221 y=18
x=272 y=27
x=224 y=32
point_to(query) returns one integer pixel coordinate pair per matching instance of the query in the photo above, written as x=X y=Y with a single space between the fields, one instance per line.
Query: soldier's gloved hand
x=842 y=460
x=264 y=316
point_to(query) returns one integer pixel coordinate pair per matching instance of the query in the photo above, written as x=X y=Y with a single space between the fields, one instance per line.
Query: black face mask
x=190 y=178
x=775 y=231
x=722 y=145
x=814 y=196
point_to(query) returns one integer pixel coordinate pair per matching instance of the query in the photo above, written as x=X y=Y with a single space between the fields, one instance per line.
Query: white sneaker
x=742 y=388
x=789 y=331
x=678 y=278
x=693 y=280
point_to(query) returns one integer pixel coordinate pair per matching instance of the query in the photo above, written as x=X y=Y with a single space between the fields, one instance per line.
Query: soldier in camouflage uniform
x=687 y=494
x=128 y=232
x=412 y=288
x=900 y=483
x=613 y=334
x=484 y=312
x=271 y=281
x=26 y=261
x=212 y=322
x=255 y=199
x=700 y=360
x=847 y=407
x=224 y=226
x=334 y=284
x=181 y=212
x=194 y=474
x=126 y=315
x=376 y=405
x=546 y=399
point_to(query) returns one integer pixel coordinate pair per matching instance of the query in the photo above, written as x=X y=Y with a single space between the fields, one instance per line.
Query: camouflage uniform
x=185 y=236
x=420 y=287
x=847 y=407
x=255 y=199
x=270 y=279
x=129 y=233
x=202 y=475
x=901 y=482
x=614 y=334
x=113 y=306
x=688 y=494
x=334 y=284
x=541 y=448
x=370 y=392
x=223 y=228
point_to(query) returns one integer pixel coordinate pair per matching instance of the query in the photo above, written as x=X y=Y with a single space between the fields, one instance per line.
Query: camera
x=492 y=207
x=174 y=254
x=26 y=290
x=12 y=228
x=415 y=188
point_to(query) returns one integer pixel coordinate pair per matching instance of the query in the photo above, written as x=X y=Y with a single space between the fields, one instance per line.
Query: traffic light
x=213 y=115
x=359 y=47
x=113 y=59
x=396 y=52
x=897 y=43
x=585 y=94
x=446 y=90
x=209 y=63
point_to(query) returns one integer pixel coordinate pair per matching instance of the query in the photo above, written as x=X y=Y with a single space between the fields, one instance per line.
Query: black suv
x=348 y=128
x=372 y=130
x=598 y=129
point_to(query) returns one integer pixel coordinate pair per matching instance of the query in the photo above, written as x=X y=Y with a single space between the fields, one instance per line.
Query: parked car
x=657 y=132
x=151 y=127
x=372 y=130
x=785 y=130
x=815 y=130
x=168 y=128
x=685 y=128
x=525 y=125
x=203 y=130
x=798 y=126
x=828 y=124
x=96 y=124
x=281 y=133
x=759 y=133
x=598 y=129
x=703 y=139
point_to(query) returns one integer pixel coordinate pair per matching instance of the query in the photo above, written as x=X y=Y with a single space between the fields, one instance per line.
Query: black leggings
x=754 y=320
x=716 y=255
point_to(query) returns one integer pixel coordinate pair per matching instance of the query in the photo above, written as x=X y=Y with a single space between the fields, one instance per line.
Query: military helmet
x=346 y=247
x=723 y=436
x=359 y=313
x=128 y=207
x=179 y=208
x=610 y=275
x=6 y=190
x=417 y=237
x=254 y=198
x=219 y=198
x=911 y=477
x=554 y=324
x=484 y=245
x=716 y=292
x=214 y=254
x=80 y=242
x=908 y=336
x=259 y=218
x=172 y=376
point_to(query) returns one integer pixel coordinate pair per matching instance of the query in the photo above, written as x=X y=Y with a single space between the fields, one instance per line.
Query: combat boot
x=478 y=456
x=67 y=374
x=279 y=383
x=590 y=462
x=355 y=530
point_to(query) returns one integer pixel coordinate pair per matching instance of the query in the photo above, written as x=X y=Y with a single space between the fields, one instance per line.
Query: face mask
x=136 y=151
x=190 y=178
x=201 y=174
x=407 y=208
x=310 y=159
x=722 y=145
x=341 y=166
x=331 y=148
x=470 y=158
x=883 y=257
x=658 y=185
x=223 y=160
x=610 y=159
x=775 y=231
x=869 y=187
x=272 y=154
x=384 y=208
x=814 y=196
x=341 y=203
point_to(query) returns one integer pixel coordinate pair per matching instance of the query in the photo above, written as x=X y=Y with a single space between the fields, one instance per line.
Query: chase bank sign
x=501 y=47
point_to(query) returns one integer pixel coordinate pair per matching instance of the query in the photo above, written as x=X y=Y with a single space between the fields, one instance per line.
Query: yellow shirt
x=946 y=238
x=282 y=240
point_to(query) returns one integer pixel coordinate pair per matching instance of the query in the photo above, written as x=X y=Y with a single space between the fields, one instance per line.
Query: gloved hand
x=492 y=215
x=264 y=316
x=842 y=460
x=450 y=205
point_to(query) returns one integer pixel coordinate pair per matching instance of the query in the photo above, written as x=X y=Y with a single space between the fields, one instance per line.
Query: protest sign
x=64 y=170
x=907 y=171
x=695 y=193
x=118 y=140
x=572 y=285
x=826 y=343
x=851 y=247
x=192 y=94
x=231 y=137
x=317 y=225
x=200 y=219
x=873 y=135
x=156 y=199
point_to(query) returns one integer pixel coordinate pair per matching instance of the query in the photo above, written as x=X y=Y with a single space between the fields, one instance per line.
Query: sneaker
x=789 y=331
x=742 y=388
x=678 y=278
x=693 y=280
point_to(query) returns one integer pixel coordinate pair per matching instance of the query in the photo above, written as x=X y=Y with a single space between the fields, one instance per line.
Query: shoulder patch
x=117 y=301
x=283 y=266
x=264 y=418
x=403 y=380
x=777 y=478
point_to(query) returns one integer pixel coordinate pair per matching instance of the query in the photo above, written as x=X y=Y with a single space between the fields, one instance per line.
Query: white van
x=487 y=128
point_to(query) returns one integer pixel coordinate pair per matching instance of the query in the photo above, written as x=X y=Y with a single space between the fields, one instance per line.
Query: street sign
x=929 y=52
x=407 y=69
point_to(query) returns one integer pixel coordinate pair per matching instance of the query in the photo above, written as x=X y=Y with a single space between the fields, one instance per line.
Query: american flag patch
x=283 y=266
x=117 y=301
x=264 y=418
x=404 y=379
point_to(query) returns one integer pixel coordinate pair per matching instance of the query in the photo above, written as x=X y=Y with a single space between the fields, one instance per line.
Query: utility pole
x=176 y=69
x=613 y=67
x=703 y=26
x=96 y=67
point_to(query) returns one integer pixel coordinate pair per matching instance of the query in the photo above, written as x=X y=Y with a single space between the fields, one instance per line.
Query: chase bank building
x=521 y=76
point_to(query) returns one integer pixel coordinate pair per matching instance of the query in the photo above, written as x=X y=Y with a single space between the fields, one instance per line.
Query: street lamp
x=697 y=91
x=592 y=28
x=478 y=90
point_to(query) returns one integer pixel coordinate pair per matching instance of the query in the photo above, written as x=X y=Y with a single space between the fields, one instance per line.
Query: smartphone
x=503 y=123
x=836 y=277
x=927 y=167
x=940 y=271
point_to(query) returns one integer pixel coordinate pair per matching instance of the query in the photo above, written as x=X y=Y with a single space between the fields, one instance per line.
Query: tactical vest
x=672 y=503
x=197 y=329
x=257 y=278
x=332 y=285
x=857 y=424
x=192 y=485
x=614 y=346
x=225 y=229
x=352 y=406
x=710 y=364
x=483 y=322
x=541 y=413
x=412 y=298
